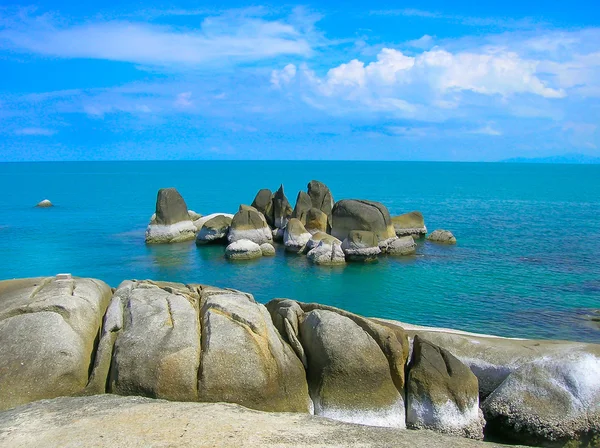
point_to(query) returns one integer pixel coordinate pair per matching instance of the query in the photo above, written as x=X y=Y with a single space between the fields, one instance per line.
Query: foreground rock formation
x=107 y=421
x=66 y=336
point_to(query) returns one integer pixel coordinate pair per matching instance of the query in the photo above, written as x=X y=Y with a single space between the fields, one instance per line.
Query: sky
x=402 y=80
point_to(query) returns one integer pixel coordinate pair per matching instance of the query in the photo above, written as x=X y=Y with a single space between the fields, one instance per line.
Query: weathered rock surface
x=243 y=250
x=404 y=245
x=129 y=362
x=267 y=250
x=353 y=214
x=198 y=223
x=442 y=237
x=321 y=197
x=295 y=236
x=263 y=202
x=107 y=421
x=48 y=327
x=340 y=350
x=244 y=358
x=282 y=210
x=249 y=224
x=361 y=245
x=303 y=205
x=44 y=204
x=215 y=230
x=410 y=224
x=316 y=221
x=193 y=215
x=171 y=222
x=549 y=402
x=317 y=237
x=442 y=393
x=327 y=254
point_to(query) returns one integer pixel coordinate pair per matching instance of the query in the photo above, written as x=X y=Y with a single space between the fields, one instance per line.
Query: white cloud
x=283 y=76
x=36 y=131
x=184 y=100
x=487 y=130
x=221 y=38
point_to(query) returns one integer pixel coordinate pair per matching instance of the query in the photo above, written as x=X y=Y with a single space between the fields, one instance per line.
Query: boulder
x=129 y=362
x=249 y=224
x=404 y=245
x=303 y=205
x=316 y=221
x=171 y=222
x=348 y=375
x=442 y=393
x=553 y=401
x=295 y=236
x=243 y=250
x=352 y=214
x=321 y=197
x=44 y=204
x=278 y=235
x=317 y=237
x=282 y=210
x=108 y=421
x=263 y=202
x=326 y=254
x=198 y=223
x=267 y=250
x=442 y=237
x=355 y=367
x=410 y=224
x=215 y=230
x=361 y=245
x=48 y=328
x=244 y=358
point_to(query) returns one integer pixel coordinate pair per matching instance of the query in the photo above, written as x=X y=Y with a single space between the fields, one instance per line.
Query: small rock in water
x=442 y=237
x=44 y=204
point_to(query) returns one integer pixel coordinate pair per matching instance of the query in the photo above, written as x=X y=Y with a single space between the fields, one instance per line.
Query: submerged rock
x=48 y=327
x=352 y=214
x=282 y=210
x=410 y=224
x=249 y=224
x=243 y=250
x=44 y=204
x=548 y=402
x=442 y=237
x=361 y=245
x=295 y=236
x=442 y=393
x=171 y=222
x=215 y=230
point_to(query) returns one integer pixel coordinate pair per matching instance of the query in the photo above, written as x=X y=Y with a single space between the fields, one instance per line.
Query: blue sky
x=469 y=81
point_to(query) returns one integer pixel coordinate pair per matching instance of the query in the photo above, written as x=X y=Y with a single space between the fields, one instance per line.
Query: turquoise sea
x=527 y=262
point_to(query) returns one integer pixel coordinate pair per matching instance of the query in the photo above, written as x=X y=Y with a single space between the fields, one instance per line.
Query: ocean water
x=527 y=262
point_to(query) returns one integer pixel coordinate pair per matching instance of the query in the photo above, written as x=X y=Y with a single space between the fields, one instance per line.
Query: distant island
x=565 y=158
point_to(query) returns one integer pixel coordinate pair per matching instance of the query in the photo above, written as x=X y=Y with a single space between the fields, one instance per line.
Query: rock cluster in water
x=327 y=232
x=64 y=336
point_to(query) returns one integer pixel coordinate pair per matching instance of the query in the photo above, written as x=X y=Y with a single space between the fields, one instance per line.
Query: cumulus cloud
x=232 y=36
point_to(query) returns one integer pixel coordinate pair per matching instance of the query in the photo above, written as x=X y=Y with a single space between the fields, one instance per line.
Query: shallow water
x=526 y=263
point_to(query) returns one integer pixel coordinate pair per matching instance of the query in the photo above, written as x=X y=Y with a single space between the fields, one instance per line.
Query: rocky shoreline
x=65 y=336
x=327 y=232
